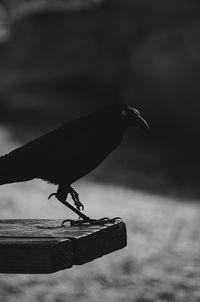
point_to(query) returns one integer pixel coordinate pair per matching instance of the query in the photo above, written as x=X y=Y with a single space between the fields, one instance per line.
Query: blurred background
x=62 y=59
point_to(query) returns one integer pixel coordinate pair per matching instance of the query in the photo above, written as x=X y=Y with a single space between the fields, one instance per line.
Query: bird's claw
x=52 y=194
x=79 y=205
x=82 y=222
x=76 y=199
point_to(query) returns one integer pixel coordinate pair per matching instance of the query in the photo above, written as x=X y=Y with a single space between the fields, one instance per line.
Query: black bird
x=70 y=152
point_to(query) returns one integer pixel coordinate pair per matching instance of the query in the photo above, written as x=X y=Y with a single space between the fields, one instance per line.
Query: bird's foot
x=85 y=222
x=76 y=199
x=63 y=200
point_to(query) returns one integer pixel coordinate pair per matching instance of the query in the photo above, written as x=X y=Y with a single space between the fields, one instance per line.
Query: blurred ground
x=160 y=263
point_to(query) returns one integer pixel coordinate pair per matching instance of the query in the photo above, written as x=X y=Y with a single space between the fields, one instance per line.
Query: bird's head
x=132 y=117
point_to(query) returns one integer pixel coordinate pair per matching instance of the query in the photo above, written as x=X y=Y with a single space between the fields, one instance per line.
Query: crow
x=71 y=151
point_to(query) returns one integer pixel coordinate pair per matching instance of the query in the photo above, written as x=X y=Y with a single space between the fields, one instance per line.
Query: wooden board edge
x=100 y=243
x=62 y=255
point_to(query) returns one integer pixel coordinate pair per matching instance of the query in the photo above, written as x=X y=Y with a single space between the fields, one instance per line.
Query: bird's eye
x=124 y=113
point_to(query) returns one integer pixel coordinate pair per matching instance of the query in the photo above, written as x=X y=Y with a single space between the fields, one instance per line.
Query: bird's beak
x=142 y=123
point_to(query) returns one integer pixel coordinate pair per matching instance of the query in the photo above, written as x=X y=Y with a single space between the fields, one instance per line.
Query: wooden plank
x=44 y=246
x=34 y=256
x=102 y=241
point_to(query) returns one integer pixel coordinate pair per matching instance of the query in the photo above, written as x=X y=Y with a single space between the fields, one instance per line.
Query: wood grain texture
x=44 y=246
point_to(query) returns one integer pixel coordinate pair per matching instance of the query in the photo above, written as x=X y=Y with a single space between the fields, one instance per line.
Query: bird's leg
x=61 y=195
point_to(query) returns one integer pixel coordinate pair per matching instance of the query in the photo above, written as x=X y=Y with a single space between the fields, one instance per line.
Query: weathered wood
x=44 y=246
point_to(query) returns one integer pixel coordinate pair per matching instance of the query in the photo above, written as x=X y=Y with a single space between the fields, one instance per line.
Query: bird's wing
x=64 y=142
